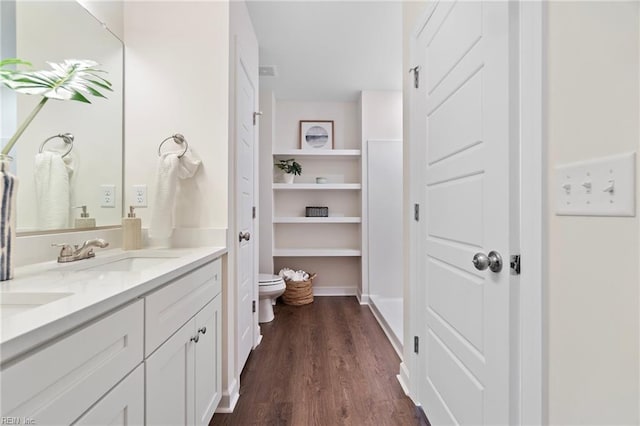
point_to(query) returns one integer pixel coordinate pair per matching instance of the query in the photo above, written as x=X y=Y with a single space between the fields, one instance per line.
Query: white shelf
x=331 y=219
x=325 y=153
x=316 y=186
x=316 y=253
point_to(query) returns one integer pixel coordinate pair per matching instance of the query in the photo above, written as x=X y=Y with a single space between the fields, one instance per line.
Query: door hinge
x=416 y=76
x=515 y=264
x=256 y=115
x=253 y=212
x=416 y=344
x=253 y=306
x=416 y=212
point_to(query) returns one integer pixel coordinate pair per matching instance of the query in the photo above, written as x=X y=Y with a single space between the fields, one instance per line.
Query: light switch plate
x=599 y=187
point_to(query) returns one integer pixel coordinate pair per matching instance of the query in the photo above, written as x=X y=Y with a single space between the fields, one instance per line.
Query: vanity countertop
x=91 y=291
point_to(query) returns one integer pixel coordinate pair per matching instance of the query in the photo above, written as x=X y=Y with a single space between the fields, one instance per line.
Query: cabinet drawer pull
x=195 y=338
x=202 y=330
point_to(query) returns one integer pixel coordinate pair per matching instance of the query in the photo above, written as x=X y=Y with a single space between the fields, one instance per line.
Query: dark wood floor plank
x=327 y=363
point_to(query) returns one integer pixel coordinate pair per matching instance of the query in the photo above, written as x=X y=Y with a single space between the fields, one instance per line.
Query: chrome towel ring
x=66 y=137
x=177 y=138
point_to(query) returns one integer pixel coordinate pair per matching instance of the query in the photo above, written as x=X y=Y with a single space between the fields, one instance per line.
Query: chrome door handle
x=244 y=236
x=195 y=338
x=202 y=330
x=493 y=261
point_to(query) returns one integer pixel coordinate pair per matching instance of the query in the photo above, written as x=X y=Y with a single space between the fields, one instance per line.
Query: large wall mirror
x=52 y=31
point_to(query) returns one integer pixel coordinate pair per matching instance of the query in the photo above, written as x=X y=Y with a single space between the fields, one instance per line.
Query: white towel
x=170 y=169
x=52 y=178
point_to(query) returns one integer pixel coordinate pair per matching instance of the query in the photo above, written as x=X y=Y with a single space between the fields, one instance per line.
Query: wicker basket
x=299 y=292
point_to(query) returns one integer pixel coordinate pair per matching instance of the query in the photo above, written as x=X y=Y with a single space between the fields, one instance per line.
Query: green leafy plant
x=289 y=166
x=71 y=80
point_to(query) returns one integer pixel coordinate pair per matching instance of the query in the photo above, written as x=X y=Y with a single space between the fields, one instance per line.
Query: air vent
x=268 y=71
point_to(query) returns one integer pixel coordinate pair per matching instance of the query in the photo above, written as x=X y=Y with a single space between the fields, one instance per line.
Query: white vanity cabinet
x=58 y=383
x=154 y=358
x=183 y=374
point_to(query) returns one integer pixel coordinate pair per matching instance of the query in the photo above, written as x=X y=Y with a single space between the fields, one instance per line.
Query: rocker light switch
x=600 y=187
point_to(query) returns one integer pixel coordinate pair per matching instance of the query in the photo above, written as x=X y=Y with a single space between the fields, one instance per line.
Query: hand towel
x=52 y=190
x=170 y=169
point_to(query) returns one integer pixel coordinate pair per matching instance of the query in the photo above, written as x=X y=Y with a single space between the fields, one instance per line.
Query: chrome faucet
x=85 y=251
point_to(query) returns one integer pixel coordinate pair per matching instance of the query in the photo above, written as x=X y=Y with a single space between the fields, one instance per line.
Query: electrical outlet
x=107 y=195
x=139 y=196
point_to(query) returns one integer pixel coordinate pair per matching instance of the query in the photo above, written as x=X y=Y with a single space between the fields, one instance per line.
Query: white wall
x=592 y=289
x=381 y=115
x=177 y=56
x=345 y=128
x=267 y=136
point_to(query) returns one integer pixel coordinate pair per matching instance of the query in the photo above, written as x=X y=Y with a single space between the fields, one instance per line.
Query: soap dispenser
x=84 y=221
x=131 y=231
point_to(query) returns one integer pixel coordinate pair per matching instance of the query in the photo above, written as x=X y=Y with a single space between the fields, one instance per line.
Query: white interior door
x=245 y=159
x=463 y=110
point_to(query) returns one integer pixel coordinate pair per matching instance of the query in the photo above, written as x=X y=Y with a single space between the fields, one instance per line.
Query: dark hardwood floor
x=327 y=363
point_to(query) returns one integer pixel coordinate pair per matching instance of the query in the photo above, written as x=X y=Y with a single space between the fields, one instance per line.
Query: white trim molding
x=230 y=398
x=335 y=291
x=363 y=298
x=395 y=341
x=533 y=229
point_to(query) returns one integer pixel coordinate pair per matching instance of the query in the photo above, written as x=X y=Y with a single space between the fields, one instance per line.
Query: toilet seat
x=270 y=287
x=265 y=280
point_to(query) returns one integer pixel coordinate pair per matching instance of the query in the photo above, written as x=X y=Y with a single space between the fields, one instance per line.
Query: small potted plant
x=288 y=169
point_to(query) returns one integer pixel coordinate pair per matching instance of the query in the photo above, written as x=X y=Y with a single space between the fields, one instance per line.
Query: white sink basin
x=128 y=264
x=15 y=303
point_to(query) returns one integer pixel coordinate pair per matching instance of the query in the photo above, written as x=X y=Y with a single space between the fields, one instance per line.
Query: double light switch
x=600 y=187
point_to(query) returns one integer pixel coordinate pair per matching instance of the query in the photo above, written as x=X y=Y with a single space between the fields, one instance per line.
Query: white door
x=245 y=163
x=463 y=126
x=123 y=405
x=208 y=371
x=169 y=380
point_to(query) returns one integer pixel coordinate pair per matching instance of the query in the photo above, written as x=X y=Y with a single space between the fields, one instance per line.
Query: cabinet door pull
x=202 y=330
x=195 y=338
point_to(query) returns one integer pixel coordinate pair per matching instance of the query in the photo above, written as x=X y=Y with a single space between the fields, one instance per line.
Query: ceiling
x=329 y=50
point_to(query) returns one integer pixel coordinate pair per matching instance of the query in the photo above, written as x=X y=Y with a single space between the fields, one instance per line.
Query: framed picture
x=316 y=134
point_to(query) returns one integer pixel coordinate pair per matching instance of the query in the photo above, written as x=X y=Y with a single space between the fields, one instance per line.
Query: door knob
x=493 y=261
x=244 y=236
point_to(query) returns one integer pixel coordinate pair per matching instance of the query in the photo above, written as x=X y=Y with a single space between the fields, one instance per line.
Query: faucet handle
x=66 y=249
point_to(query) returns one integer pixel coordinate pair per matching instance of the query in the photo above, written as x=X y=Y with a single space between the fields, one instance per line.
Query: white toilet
x=270 y=288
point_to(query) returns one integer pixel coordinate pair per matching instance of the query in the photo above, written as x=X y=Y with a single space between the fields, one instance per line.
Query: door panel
x=245 y=104
x=463 y=107
x=208 y=363
x=169 y=380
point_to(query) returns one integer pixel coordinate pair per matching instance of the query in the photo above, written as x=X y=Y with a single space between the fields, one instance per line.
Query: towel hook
x=66 y=137
x=177 y=138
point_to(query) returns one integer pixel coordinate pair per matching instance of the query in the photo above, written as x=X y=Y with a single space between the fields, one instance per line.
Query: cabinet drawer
x=58 y=383
x=169 y=308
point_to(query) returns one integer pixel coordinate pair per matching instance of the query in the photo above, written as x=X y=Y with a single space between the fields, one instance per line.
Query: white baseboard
x=397 y=345
x=363 y=298
x=334 y=291
x=229 y=398
x=258 y=334
x=403 y=379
